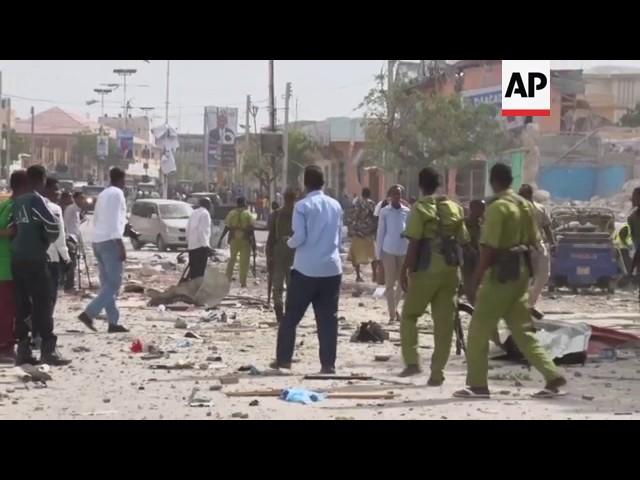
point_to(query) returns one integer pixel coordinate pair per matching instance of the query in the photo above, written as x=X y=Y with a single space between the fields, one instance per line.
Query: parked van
x=160 y=222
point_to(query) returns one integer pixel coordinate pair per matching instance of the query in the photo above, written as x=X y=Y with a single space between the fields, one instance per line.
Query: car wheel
x=611 y=287
x=161 y=245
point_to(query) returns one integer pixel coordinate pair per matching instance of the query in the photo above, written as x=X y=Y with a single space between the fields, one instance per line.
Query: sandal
x=548 y=393
x=468 y=393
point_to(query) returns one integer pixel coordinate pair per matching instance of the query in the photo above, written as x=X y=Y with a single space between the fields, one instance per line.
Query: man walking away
x=36 y=227
x=279 y=255
x=362 y=231
x=471 y=251
x=109 y=219
x=391 y=247
x=73 y=218
x=540 y=259
x=508 y=234
x=58 y=253
x=316 y=273
x=199 y=238
x=239 y=224
x=18 y=183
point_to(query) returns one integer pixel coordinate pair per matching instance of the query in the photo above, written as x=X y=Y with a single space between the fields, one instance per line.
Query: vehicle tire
x=161 y=245
x=611 y=287
x=136 y=244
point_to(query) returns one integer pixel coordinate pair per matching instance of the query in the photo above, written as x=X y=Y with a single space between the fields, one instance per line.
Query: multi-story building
x=611 y=91
x=54 y=138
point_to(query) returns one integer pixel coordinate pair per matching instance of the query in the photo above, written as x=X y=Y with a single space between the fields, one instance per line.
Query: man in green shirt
x=18 y=182
x=508 y=234
x=279 y=255
x=430 y=274
x=239 y=224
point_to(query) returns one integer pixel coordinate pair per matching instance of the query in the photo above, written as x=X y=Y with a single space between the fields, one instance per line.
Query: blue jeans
x=110 y=267
x=323 y=293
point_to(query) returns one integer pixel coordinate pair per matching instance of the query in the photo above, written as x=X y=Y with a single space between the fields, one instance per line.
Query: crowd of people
x=426 y=253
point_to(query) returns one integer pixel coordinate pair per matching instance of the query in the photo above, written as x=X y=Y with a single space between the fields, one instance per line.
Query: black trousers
x=198 y=258
x=70 y=274
x=55 y=273
x=32 y=282
x=323 y=293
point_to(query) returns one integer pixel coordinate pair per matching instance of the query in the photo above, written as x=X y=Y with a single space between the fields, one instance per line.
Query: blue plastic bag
x=300 y=395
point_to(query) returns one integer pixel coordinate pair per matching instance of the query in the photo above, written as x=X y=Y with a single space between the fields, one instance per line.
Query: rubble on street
x=211 y=362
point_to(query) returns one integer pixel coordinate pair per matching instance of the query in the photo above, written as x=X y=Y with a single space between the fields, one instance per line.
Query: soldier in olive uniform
x=279 y=255
x=430 y=274
x=508 y=233
x=239 y=224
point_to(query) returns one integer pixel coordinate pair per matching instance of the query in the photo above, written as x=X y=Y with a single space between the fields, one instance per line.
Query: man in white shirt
x=109 y=222
x=57 y=252
x=198 y=238
x=73 y=218
x=391 y=248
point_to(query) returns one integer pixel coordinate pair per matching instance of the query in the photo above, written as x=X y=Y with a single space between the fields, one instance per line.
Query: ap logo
x=526 y=88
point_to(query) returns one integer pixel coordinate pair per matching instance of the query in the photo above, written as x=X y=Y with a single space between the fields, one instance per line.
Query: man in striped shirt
x=36 y=228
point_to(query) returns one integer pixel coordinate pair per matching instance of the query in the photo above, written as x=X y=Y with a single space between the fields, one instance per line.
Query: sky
x=321 y=88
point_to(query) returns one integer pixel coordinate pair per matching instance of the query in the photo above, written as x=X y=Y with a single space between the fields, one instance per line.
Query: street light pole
x=102 y=92
x=124 y=73
x=272 y=127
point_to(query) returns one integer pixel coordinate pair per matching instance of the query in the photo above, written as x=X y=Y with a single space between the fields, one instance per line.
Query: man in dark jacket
x=36 y=228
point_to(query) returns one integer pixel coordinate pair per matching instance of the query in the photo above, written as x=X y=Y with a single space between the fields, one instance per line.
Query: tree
x=301 y=152
x=631 y=118
x=301 y=149
x=408 y=128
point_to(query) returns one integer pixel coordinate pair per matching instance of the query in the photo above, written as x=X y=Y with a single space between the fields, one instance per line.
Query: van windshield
x=175 y=211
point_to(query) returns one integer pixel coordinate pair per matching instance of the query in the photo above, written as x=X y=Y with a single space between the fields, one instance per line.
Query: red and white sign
x=526 y=88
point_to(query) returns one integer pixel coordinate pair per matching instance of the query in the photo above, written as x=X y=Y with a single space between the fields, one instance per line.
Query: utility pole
x=102 y=92
x=124 y=73
x=285 y=137
x=33 y=130
x=205 y=144
x=5 y=135
x=272 y=127
x=165 y=178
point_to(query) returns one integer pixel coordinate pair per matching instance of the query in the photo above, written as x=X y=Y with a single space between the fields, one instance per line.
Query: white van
x=160 y=222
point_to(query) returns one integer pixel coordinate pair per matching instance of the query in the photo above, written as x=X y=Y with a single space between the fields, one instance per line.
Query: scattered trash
x=152 y=356
x=301 y=395
x=229 y=380
x=175 y=366
x=254 y=403
x=370 y=332
x=136 y=346
x=198 y=401
x=223 y=317
x=184 y=344
x=215 y=388
x=80 y=349
x=180 y=323
x=203 y=366
x=382 y=358
x=106 y=400
x=587 y=397
x=192 y=335
x=133 y=287
x=216 y=358
x=239 y=415
x=356 y=293
x=379 y=292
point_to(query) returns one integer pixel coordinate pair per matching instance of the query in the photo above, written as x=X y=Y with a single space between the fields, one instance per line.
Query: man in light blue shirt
x=316 y=273
x=391 y=247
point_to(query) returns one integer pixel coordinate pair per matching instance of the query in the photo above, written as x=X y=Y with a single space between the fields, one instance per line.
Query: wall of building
x=582 y=182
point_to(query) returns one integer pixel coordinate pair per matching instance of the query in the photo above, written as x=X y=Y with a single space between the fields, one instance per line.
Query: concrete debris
x=180 y=323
